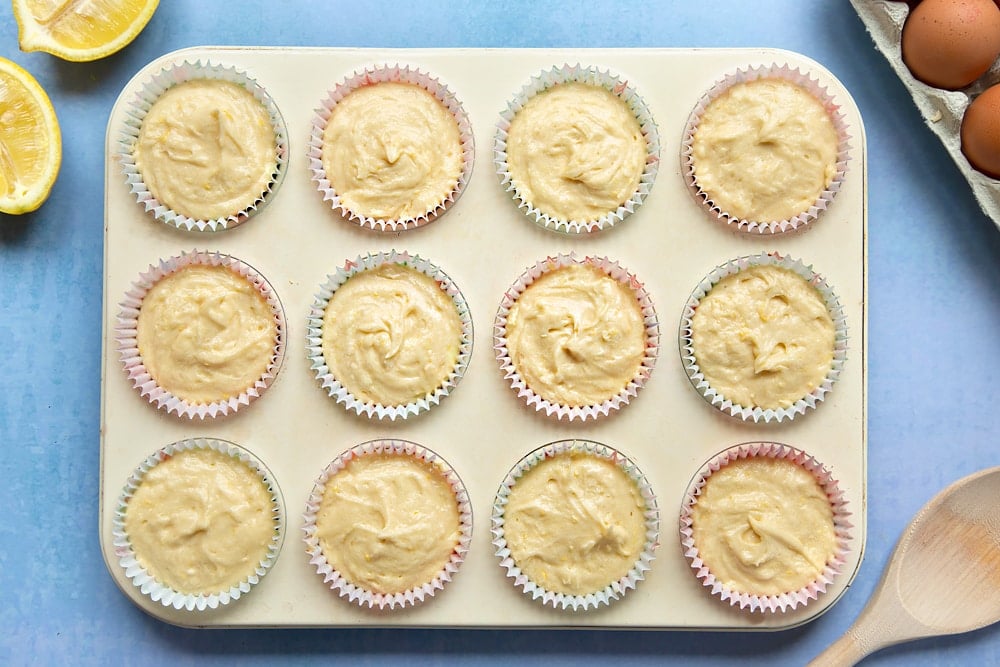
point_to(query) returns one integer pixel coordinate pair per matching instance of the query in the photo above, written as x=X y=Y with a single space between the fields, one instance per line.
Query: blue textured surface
x=934 y=352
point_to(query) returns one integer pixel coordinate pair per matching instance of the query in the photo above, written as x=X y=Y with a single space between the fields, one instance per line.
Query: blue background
x=934 y=353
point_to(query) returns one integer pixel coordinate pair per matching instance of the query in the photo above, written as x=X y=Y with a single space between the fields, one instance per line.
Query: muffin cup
x=595 y=77
x=362 y=596
x=809 y=84
x=139 y=106
x=314 y=336
x=613 y=591
x=160 y=592
x=587 y=412
x=750 y=412
x=372 y=75
x=783 y=601
x=127 y=327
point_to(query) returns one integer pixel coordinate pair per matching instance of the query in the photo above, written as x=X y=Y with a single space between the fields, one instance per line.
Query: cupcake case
x=484 y=242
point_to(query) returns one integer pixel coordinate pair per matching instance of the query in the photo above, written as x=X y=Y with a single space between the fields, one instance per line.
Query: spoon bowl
x=943 y=577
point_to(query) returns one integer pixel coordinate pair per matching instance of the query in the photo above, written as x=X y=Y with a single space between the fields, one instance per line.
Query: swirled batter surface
x=764 y=526
x=206 y=149
x=763 y=337
x=205 y=333
x=200 y=521
x=388 y=523
x=575 y=523
x=765 y=150
x=576 y=335
x=391 y=335
x=576 y=152
x=392 y=151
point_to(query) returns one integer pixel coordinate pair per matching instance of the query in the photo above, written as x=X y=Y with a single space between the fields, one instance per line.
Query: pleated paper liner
x=372 y=76
x=137 y=108
x=354 y=592
x=335 y=387
x=163 y=593
x=131 y=357
x=551 y=407
x=622 y=90
x=753 y=413
x=747 y=599
x=801 y=219
x=614 y=590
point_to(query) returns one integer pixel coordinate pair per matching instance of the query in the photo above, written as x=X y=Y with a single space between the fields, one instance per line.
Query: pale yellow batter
x=575 y=152
x=575 y=523
x=206 y=149
x=765 y=150
x=205 y=333
x=392 y=151
x=200 y=522
x=391 y=335
x=576 y=336
x=764 y=526
x=763 y=337
x=388 y=523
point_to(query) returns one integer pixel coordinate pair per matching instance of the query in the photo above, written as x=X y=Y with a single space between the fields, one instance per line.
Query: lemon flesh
x=80 y=30
x=30 y=142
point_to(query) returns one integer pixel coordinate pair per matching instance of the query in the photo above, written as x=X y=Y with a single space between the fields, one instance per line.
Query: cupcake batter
x=575 y=523
x=765 y=150
x=764 y=526
x=391 y=335
x=388 y=523
x=763 y=337
x=200 y=521
x=576 y=336
x=392 y=151
x=205 y=333
x=576 y=152
x=207 y=149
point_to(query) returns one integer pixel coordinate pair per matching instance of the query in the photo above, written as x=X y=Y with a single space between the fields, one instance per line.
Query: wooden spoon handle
x=883 y=622
x=844 y=652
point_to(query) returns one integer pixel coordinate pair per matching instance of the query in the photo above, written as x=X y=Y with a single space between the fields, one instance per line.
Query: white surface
x=942 y=109
x=484 y=243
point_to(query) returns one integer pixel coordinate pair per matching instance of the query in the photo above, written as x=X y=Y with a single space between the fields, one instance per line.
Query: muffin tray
x=483 y=242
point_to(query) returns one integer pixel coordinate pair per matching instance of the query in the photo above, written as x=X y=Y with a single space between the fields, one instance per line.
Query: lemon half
x=80 y=30
x=30 y=141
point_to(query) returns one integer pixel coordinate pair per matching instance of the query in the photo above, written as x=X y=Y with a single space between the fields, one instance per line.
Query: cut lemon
x=30 y=142
x=80 y=30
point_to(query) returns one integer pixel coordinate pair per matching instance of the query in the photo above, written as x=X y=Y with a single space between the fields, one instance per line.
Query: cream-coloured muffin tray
x=483 y=242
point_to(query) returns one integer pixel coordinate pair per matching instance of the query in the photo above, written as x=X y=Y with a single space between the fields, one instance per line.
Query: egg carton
x=942 y=109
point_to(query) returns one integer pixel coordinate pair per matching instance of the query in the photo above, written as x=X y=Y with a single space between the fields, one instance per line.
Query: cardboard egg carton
x=942 y=109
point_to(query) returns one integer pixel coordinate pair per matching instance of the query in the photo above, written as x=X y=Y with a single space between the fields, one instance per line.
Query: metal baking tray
x=484 y=243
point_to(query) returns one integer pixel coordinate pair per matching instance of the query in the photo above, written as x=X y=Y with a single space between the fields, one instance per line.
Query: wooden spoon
x=943 y=578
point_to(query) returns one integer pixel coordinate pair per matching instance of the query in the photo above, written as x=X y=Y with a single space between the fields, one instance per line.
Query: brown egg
x=951 y=43
x=981 y=132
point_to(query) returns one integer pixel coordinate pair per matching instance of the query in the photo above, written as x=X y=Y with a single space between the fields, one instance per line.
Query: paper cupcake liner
x=139 y=106
x=756 y=413
x=314 y=336
x=160 y=592
x=783 y=601
x=587 y=412
x=804 y=81
x=126 y=330
x=594 y=77
x=372 y=75
x=613 y=591
x=361 y=596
